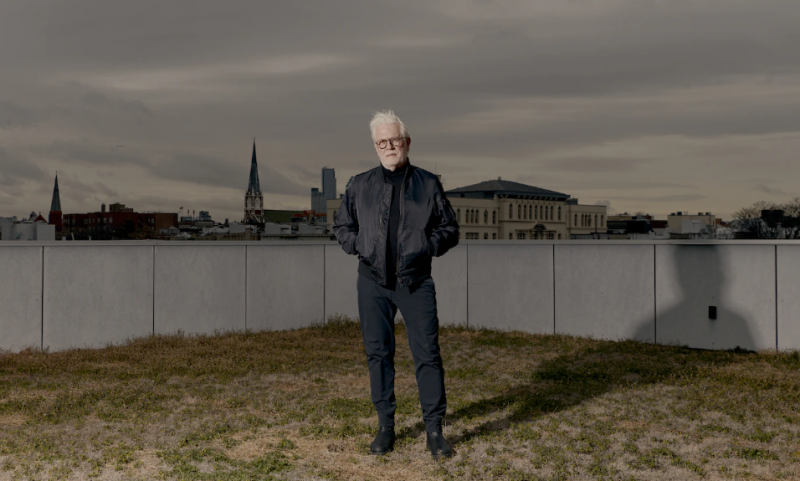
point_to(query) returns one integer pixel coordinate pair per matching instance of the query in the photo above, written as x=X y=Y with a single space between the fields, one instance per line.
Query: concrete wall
x=340 y=282
x=20 y=298
x=58 y=295
x=510 y=286
x=284 y=286
x=788 y=267
x=199 y=289
x=738 y=279
x=95 y=296
x=449 y=274
x=605 y=291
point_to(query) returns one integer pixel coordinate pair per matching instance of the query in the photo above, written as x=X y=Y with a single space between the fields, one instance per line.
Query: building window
x=559 y=212
x=576 y=220
x=552 y=217
x=530 y=212
x=486 y=217
x=494 y=217
x=550 y=235
x=510 y=211
x=541 y=212
x=601 y=221
x=524 y=212
x=589 y=220
x=494 y=235
x=486 y=236
x=546 y=213
x=595 y=219
x=519 y=212
x=509 y=236
x=520 y=235
x=559 y=236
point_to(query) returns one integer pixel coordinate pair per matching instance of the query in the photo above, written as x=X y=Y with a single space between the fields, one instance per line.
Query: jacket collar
x=410 y=169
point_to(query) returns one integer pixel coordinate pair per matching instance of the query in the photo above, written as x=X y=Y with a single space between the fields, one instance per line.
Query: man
x=396 y=218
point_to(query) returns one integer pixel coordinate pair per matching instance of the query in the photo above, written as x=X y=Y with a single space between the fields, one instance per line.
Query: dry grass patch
x=295 y=405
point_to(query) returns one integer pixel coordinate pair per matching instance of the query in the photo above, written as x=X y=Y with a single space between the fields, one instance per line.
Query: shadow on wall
x=689 y=279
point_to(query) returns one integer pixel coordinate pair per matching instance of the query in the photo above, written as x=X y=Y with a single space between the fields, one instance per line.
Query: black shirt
x=396 y=180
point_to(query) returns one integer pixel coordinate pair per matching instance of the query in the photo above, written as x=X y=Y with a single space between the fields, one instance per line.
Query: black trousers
x=377 y=307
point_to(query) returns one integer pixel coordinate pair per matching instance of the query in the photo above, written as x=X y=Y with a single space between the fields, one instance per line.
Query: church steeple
x=253 y=200
x=55 y=205
x=55 y=217
x=254 y=187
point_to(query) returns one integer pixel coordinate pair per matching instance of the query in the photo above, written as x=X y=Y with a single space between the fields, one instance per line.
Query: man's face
x=393 y=155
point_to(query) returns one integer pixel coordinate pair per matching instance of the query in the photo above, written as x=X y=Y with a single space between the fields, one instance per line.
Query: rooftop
x=295 y=405
x=505 y=187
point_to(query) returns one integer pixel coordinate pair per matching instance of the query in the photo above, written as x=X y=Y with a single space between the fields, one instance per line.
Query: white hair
x=387 y=117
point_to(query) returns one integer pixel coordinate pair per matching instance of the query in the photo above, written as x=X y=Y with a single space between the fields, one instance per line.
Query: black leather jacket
x=427 y=227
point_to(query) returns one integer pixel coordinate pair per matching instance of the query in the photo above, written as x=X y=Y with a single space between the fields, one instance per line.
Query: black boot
x=437 y=445
x=384 y=441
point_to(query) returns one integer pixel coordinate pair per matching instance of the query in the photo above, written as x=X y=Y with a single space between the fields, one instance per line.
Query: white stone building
x=505 y=210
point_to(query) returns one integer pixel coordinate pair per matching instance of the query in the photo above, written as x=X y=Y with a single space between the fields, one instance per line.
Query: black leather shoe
x=384 y=441
x=437 y=445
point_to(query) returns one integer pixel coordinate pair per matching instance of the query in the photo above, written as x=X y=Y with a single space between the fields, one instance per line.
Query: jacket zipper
x=380 y=221
x=400 y=220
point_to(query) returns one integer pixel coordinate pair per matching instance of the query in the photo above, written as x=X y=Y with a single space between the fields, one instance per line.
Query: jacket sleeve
x=445 y=236
x=345 y=223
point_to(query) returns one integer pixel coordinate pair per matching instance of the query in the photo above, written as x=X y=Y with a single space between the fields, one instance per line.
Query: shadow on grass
x=570 y=379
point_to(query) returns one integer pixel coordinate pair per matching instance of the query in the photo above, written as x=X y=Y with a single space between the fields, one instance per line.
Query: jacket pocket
x=426 y=243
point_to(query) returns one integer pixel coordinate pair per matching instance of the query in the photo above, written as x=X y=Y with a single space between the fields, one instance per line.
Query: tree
x=768 y=220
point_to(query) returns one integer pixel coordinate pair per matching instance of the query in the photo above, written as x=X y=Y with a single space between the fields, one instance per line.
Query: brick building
x=118 y=218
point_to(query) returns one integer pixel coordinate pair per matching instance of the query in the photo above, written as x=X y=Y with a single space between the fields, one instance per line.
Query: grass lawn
x=295 y=405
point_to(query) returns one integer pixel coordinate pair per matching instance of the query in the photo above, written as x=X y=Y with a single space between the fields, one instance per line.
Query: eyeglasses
x=396 y=142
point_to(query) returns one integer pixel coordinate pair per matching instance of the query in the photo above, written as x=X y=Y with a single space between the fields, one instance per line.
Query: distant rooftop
x=490 y=188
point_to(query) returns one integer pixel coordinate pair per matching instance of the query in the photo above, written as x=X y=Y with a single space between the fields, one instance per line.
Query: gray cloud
x=675 y=198
x=13 y=115
x=97 y=99
x=212 y=171
x=593 y=99
x=16 y=169
x=596 y=164
x=770 y=190
x=74 y=190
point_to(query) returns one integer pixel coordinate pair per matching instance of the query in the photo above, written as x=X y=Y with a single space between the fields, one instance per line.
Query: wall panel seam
x=655 y=306
x=154 y=290
x=41 y=336
x=245 y=287
x=554 y=288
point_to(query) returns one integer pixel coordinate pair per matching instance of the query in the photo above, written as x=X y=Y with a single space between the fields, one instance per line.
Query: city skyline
x=654 y=107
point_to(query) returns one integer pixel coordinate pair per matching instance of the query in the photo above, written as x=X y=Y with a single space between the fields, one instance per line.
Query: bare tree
x=768 y=220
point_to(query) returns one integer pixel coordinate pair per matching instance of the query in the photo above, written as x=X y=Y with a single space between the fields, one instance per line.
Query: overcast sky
x=641 y=105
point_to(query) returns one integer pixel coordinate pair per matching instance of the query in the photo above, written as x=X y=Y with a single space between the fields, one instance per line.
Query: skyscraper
x=319 y=198
x=253 y=200
x=328 y=183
